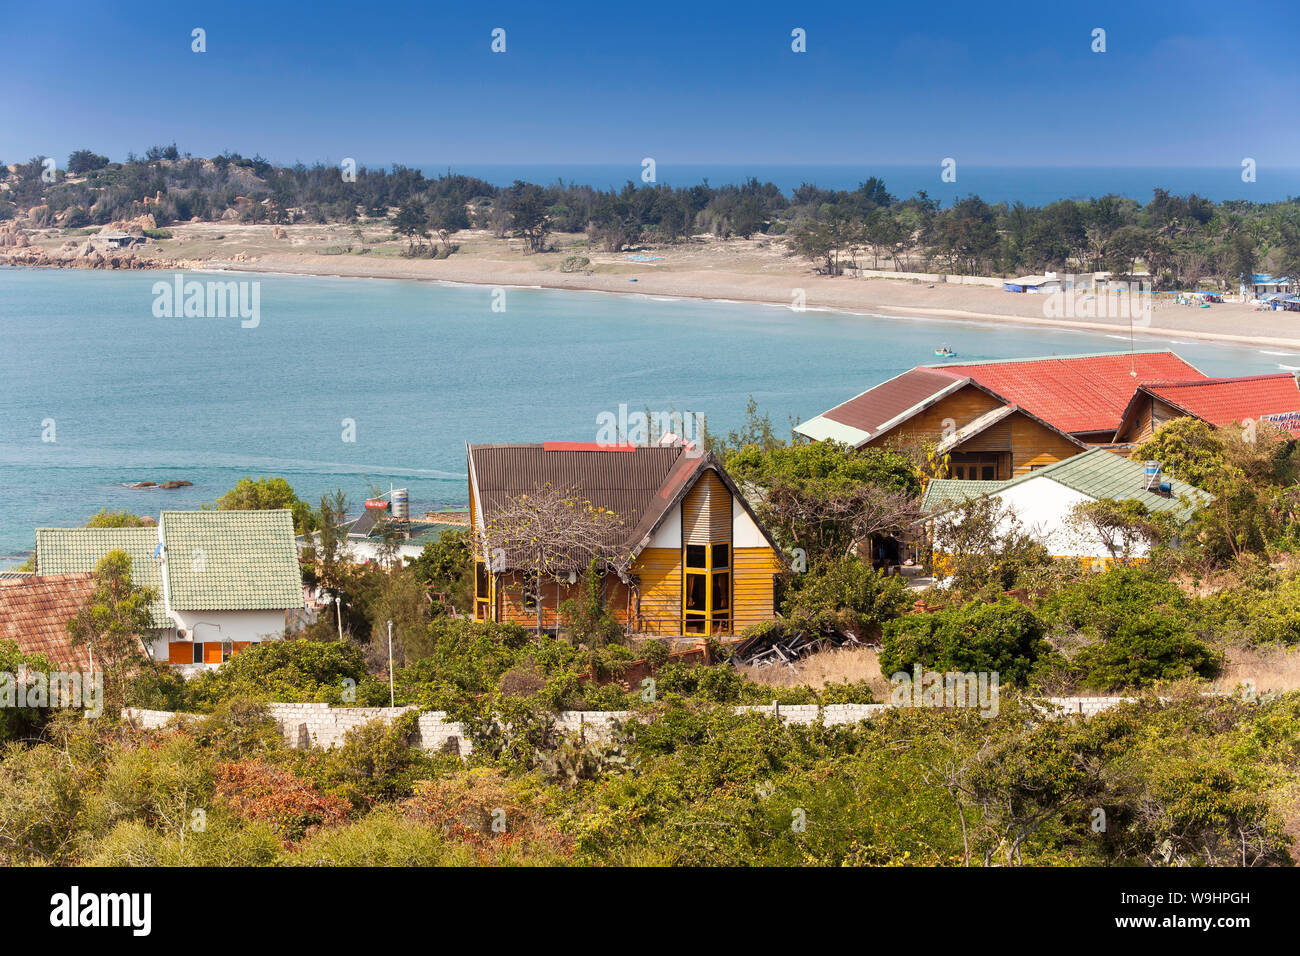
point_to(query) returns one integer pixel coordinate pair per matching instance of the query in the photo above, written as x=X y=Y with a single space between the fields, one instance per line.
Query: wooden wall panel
x=706 y=512
x=962 y=407
x=660 y=571
x=753 y=572
x=1034 y=444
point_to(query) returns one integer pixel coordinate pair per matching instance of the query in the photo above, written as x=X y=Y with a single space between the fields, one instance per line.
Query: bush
x=844 y=595
x=236 y=729
x=376 y=762
x=586 y=619
x=288 y=671
x=1004 y=637
x=381 y=839
x=1156 y=646
x=255 y=790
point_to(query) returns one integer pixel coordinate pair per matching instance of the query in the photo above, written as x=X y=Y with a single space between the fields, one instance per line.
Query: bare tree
x=552 y=532
x=832 y=521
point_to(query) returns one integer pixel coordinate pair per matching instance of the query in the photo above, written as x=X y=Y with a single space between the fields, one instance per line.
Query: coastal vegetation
x=1176 y=239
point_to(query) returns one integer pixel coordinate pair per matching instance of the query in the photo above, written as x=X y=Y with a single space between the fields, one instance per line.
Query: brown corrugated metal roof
x=639 y=485
x=34 y=613
x=868 y=411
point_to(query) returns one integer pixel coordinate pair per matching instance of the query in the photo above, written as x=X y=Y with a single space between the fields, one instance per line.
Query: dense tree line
x=1177 y=239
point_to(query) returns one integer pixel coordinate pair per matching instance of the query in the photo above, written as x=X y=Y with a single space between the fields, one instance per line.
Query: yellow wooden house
x=701 y=562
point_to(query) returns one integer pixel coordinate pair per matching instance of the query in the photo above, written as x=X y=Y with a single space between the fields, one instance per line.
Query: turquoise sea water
x=421 y=368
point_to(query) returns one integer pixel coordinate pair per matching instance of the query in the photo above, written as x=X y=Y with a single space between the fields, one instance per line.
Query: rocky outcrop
x=135 y=227
x=79 y=259
x=40 y=216
x=11 y=237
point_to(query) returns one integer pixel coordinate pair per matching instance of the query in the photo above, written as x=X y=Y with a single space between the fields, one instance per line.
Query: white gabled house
x=1043 y=501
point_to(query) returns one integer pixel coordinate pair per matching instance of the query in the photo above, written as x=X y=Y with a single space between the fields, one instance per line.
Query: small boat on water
x=944 y=352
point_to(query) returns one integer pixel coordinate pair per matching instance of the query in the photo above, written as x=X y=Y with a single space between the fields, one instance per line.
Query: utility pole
x=338 y=604
x=392 y=701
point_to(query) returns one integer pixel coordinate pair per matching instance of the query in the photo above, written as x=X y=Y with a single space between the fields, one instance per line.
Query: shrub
x=255 y=790
x=376 y=762
x=1156 y=646
x=236 y=729
x=1004 y=637
x=844 y=595
x=380 y=839
x=289 y=670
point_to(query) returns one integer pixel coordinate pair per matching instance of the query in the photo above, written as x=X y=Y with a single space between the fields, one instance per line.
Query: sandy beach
x=755 y=270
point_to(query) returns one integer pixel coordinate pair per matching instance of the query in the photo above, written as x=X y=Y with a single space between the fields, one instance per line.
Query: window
x=530 y=600
x=482 y=591
x=227 y=650
x=986 y=466
x=198 y=652
x=706 y=598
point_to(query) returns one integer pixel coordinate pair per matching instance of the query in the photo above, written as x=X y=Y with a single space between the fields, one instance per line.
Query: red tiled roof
x=34 y=613
x=1222 y=401
x=1077 y=393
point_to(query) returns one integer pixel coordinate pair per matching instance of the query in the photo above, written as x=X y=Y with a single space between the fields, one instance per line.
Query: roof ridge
x=1056 y=358
x=1225 y=380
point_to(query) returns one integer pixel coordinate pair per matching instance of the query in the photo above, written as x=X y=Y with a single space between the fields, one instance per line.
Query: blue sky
x=1181 y=84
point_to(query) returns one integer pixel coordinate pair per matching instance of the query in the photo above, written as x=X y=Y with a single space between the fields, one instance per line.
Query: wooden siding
x=1034 y=444
x=995 y=438
x=1030 y=442
x=753 y=570
x=510 y=600
x=660 y=571
x=962 y=407
x=706 y=512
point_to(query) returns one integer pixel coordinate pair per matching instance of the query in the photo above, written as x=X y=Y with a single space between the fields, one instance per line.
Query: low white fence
x=322 y=725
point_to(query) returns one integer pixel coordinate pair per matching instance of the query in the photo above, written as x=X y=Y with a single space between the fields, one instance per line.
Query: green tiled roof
x=231 y=560
x=942 y=494
x=1097 y=473
x=78 y=550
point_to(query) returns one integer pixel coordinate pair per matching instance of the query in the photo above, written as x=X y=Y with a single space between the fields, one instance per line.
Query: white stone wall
x=321 y=725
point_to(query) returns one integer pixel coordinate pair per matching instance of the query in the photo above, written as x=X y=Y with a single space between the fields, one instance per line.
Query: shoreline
x=539 y=283
x=760 y=271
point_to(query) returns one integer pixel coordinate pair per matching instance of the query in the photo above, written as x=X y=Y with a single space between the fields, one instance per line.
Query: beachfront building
x=1000 y=419
x=1218 y=401
x=1043 y=501
x=701 y=563
x=224 y=579
x=1050 y=282
x=1263 y=284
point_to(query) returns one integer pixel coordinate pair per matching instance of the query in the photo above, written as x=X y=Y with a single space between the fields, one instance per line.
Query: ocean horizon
x=1031 y=185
